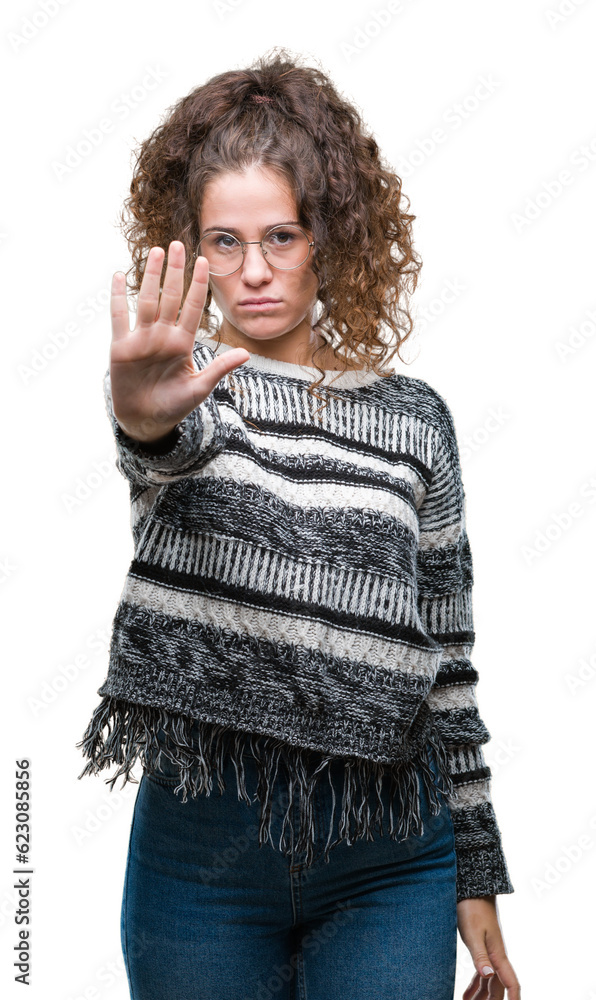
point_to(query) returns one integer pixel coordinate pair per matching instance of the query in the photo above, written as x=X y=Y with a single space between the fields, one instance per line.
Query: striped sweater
x=302 y=584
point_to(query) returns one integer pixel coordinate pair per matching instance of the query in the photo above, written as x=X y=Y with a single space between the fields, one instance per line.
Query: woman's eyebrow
x=236 y=232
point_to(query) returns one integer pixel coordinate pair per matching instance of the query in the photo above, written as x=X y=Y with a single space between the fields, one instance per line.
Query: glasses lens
x=286 y=247
x=223 y=252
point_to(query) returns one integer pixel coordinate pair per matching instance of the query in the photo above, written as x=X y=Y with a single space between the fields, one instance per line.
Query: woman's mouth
x=259 y=305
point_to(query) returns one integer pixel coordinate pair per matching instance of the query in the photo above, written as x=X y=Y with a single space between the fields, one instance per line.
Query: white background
x=512 y=353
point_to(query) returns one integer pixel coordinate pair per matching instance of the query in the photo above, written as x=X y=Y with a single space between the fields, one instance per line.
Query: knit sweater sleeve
x=445 y=579
x=185 y=450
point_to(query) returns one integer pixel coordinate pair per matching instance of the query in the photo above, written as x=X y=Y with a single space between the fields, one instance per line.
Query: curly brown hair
x=345 y=193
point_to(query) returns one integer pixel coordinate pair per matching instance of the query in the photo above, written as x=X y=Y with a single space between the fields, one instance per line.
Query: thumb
x=483 y=966
x=219 y=367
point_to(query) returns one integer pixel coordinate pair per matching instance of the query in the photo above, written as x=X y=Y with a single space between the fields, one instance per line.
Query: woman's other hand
x=478 y=925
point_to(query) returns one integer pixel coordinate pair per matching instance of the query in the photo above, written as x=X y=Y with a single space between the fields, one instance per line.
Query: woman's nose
x=254 y=266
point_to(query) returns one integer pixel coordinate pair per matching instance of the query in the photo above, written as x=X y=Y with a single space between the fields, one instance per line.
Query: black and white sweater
x=302 y=583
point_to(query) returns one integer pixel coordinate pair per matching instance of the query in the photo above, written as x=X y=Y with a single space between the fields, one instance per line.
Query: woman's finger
x=222 y=364
x=171 y=295
x=148 y=299
x=476 y=990
x=496 y=990
x=507 y=980
x=119 y=307
x=194 y=302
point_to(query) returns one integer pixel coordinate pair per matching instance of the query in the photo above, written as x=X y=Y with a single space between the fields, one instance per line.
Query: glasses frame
x=245 y=243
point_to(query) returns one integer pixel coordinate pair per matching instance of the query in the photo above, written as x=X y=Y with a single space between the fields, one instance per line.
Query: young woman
x=296 y=622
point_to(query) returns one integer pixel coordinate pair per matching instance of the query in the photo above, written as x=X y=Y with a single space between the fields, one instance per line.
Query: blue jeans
x=207 y=914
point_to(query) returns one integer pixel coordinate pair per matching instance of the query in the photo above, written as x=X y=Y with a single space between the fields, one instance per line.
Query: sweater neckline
x=343 y=380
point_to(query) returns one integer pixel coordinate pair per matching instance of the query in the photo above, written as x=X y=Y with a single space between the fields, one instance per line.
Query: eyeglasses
x=284 y=247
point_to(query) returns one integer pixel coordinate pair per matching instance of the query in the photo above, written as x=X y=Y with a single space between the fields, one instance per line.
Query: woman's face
x=247 y=204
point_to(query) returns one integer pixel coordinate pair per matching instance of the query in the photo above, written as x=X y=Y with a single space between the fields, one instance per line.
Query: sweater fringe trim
x=197 y=747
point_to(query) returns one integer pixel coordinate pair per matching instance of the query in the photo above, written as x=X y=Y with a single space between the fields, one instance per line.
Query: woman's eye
x=219 y=240
x=281 y=237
